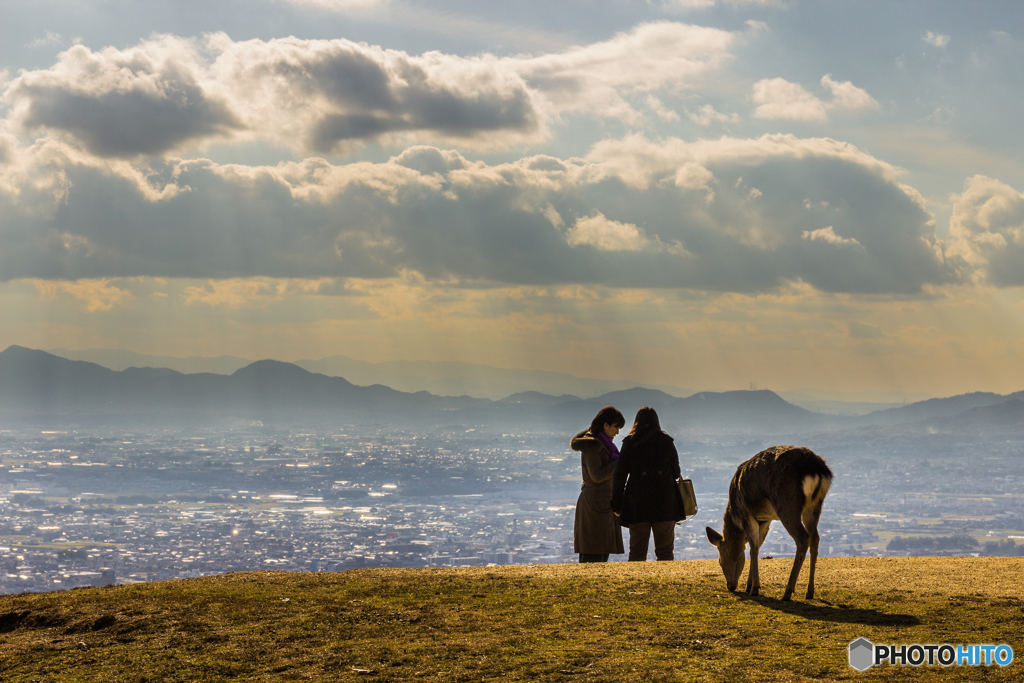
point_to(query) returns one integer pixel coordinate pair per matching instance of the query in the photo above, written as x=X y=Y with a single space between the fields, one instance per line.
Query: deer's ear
x=713 y=536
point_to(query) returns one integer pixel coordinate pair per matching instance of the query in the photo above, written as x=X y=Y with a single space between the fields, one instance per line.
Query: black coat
x=644 y=488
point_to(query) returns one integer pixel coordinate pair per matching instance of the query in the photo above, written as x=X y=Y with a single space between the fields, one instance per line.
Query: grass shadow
x=841 y=614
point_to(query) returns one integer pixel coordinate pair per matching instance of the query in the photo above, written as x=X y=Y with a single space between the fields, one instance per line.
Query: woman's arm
x=598 y=470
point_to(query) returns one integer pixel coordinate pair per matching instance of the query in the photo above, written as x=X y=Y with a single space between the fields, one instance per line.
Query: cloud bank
x=169 y=93
x=95 y=182
x=731 y=214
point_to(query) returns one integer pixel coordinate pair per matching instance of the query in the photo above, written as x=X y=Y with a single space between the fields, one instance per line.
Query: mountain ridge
x=37 y=383
x=441 y=378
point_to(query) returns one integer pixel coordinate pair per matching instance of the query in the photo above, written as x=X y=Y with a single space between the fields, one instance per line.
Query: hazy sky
x=706 y=193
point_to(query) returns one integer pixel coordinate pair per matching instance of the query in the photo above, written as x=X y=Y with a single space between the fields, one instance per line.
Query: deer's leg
x=795 y=526
x=754 y=576
x=752 y=530
x=812 y=525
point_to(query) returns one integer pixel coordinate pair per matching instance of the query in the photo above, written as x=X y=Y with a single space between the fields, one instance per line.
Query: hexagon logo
x=862 y=653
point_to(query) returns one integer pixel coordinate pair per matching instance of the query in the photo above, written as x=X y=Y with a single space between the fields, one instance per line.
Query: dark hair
x=606 y=416
x=646 y=421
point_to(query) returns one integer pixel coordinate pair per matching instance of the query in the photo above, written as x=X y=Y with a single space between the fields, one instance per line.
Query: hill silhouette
x=1007 y=416
x=761 y=411
x=610 y=622
x=42 y=388
x=936 y=408
x=536 y=398
x=36 y=383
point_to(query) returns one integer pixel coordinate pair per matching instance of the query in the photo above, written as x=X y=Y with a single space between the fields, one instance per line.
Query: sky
x=711 y=194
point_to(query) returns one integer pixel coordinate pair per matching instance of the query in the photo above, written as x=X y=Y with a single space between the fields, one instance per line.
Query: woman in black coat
x=644 y=491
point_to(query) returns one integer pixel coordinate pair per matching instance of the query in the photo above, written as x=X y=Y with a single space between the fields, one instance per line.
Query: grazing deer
x=787 y=483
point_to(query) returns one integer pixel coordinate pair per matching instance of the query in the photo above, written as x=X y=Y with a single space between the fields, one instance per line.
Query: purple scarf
x=606 y=440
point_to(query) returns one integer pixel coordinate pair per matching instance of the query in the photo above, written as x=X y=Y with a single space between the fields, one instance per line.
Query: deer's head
x=731 y=555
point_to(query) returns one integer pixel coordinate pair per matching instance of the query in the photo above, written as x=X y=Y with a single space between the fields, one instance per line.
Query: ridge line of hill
x=37 y=383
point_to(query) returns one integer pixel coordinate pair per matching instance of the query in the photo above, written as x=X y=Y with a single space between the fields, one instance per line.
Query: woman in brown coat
x=596 y=533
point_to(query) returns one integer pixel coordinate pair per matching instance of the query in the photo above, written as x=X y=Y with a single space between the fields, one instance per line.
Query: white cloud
x=594 y=78
x=693 y=176
x=707 y=115
x=50 y=38
x=659 y=108
x=551 y=213
x=777 y=98
x=987 y=231
x=936 y=39
x=828 y=236
x=607 y=235
x=846 y=95
x=640 y=162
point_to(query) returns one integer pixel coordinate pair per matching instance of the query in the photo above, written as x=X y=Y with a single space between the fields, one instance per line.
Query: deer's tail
x=816 y=487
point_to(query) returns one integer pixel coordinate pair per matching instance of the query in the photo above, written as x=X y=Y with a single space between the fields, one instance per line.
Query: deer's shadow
x=822 y=610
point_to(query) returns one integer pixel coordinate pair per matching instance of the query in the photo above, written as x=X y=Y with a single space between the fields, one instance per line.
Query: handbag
x=689 y=497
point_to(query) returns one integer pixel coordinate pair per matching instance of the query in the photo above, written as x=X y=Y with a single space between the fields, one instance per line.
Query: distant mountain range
x=937 y=408
x=37 y=386
x=439 y=378
x=36 y=383
x=117 y=359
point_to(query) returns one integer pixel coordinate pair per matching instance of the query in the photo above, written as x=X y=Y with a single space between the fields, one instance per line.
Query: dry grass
x=617 y=622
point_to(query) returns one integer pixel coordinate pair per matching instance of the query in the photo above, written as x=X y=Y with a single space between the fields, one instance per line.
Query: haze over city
x=705 y=195
x=314 y=285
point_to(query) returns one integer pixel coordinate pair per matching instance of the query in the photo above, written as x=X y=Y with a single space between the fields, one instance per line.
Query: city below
x=101 y=506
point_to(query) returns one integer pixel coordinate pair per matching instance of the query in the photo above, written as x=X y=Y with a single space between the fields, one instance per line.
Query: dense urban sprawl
x=94 y=507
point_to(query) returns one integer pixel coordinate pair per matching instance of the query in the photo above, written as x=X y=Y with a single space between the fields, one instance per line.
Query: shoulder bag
x=689 y=497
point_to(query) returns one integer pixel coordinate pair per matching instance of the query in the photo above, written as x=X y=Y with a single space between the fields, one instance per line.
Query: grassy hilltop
x=618 y=622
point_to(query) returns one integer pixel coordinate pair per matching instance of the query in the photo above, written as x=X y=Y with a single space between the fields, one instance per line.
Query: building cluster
x=91 y=507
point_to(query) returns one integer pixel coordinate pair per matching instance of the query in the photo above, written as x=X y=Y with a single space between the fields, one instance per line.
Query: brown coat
x=596 y=530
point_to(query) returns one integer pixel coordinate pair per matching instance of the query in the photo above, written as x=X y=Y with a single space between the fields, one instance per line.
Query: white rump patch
x=810 y=483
